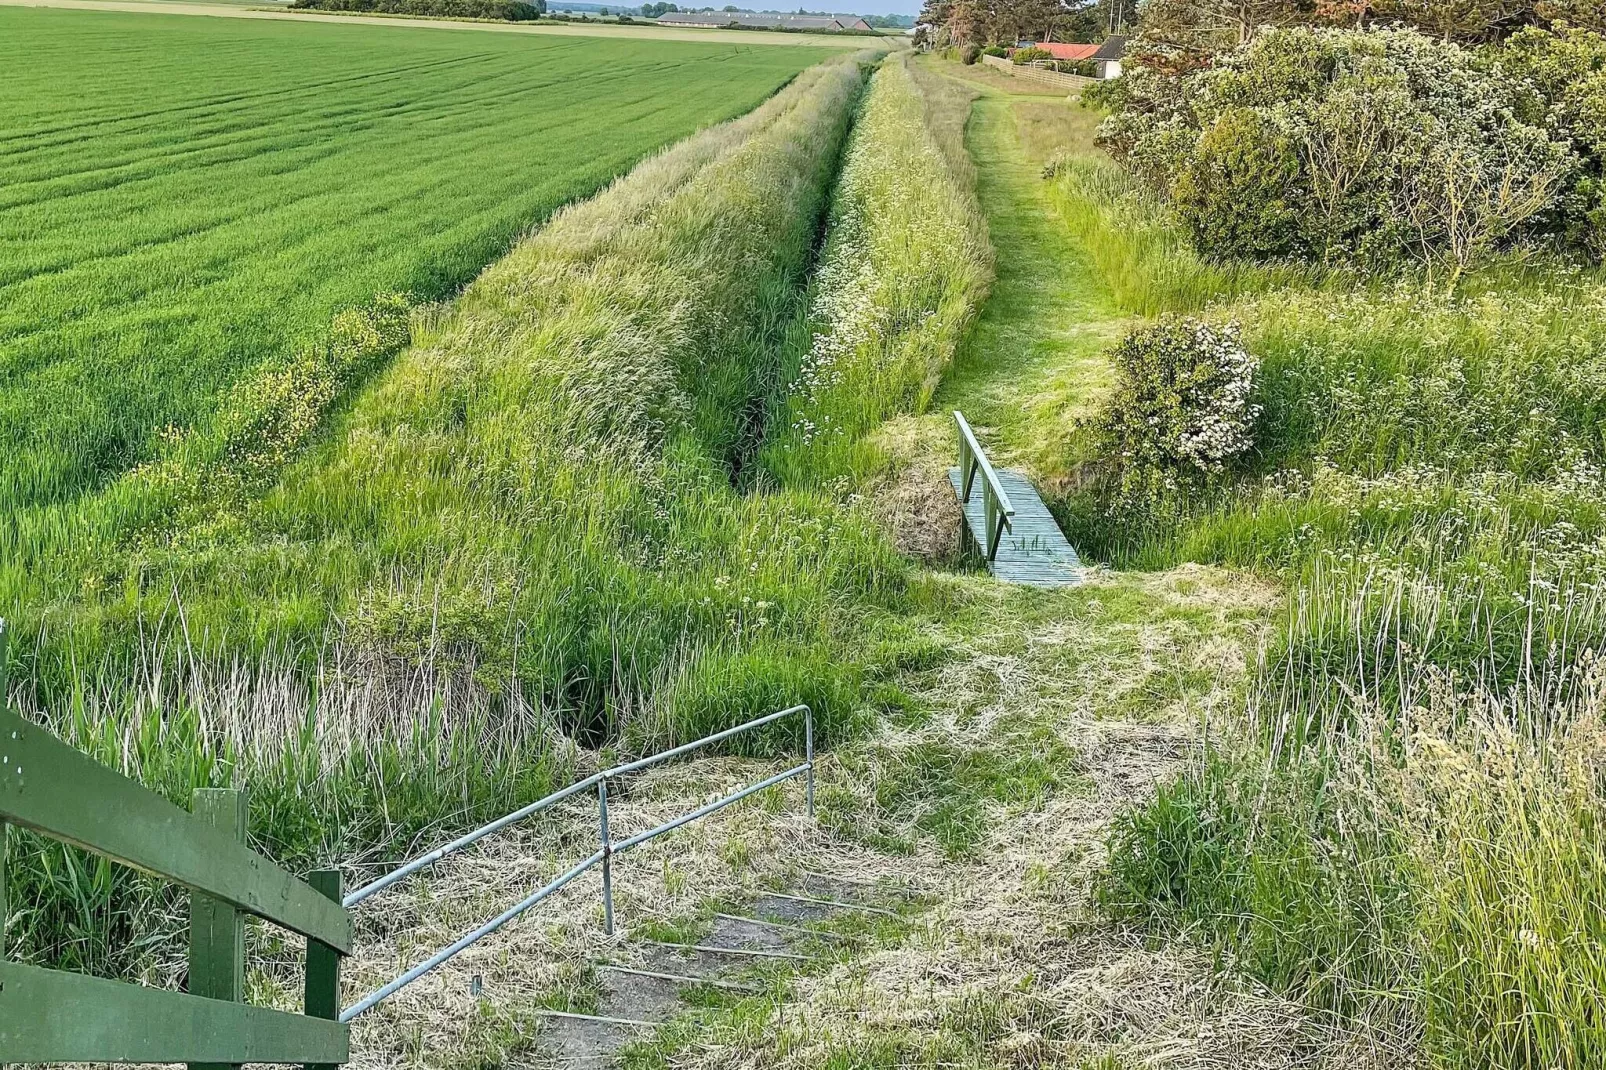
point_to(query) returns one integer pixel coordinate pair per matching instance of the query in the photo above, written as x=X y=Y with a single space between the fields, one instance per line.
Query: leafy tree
x=1217 y=25
x=1453 y=20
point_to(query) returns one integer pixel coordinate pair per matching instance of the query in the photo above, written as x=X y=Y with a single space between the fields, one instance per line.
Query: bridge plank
x=1035 y=552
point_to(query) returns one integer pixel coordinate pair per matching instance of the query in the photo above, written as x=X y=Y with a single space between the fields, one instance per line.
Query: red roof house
x=1062 y=50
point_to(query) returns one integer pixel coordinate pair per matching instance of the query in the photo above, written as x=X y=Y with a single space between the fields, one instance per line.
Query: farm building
x=764 y=21
x=1107 y=60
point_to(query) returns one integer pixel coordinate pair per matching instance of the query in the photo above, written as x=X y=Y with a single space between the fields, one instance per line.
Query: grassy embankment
x=397 y=615
x=1407 y=832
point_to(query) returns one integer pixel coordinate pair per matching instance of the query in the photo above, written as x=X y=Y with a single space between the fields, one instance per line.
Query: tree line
x=1209 y=26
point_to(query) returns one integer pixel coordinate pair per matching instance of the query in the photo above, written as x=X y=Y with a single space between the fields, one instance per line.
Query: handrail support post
x=808 y=749
x=607 y=857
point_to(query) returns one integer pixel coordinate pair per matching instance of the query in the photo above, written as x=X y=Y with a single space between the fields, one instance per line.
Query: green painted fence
x=49 y=1016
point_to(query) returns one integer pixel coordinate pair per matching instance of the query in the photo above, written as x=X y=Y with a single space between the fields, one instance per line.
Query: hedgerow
x=502 y=10
x=1369 y=146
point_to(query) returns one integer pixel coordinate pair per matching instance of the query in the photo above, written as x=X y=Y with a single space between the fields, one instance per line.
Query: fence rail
x=602 y=857
x=49 y=1016
x=1068 y=82
x=1000 y=511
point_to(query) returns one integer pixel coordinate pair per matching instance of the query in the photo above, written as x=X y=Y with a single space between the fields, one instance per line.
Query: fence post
x=607 y=857
x=321 y=998
x=217 y=930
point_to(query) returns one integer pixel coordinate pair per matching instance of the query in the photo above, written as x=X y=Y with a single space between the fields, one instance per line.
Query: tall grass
x=1144 y=257
x=1404 y=831
x=905 y=266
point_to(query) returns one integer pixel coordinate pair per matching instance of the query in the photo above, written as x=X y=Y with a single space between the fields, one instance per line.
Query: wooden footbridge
x=1009 y=522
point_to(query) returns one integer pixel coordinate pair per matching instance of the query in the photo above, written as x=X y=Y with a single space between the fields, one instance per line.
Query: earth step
x=644 y=986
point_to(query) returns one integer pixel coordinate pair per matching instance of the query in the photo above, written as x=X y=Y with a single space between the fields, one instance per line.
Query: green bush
x=1030 y=55
x=969 y=54
x=1180 y=412
x=1239 y=191
x=504 y=10
x=995 y=50
x=1561 y=80
x=1376 y=145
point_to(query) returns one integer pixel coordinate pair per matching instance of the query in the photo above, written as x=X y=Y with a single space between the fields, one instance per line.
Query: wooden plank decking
x=1034 y=552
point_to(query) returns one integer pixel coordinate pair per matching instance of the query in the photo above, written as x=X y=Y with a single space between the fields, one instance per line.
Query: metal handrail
x=604 y=856
x=1000 y=511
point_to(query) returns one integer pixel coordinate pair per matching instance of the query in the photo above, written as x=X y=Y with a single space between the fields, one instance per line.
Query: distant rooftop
x=827 y=23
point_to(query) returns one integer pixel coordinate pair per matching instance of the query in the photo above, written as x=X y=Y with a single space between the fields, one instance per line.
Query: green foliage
x=969 y=54
x=1179 y=415
x=1373 y=145
x=1562 y=80
x=1239 y=191
x=1026 y=55
x=501 y=10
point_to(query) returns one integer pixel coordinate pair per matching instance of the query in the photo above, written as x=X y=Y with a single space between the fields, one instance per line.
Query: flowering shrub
x=1181 y=411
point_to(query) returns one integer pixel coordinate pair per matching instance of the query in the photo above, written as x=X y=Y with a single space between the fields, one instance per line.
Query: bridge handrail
x=602 y=857
x=1000 y=511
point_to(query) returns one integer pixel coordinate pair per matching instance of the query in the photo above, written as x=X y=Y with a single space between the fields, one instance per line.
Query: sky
x=876 y=7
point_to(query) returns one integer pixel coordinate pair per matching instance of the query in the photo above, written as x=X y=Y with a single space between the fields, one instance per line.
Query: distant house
x=1106 y=57
x=751 y=21
x=1063 y=51
x=1107 y=60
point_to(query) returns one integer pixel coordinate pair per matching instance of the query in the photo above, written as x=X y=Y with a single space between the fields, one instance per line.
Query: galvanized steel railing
x=1000 y=511
x=603 y=856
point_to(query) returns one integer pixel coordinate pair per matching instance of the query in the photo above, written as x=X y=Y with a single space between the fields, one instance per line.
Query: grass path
x=1034 y=362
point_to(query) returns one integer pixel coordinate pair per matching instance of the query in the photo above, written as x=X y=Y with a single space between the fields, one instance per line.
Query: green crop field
x=212 y=192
